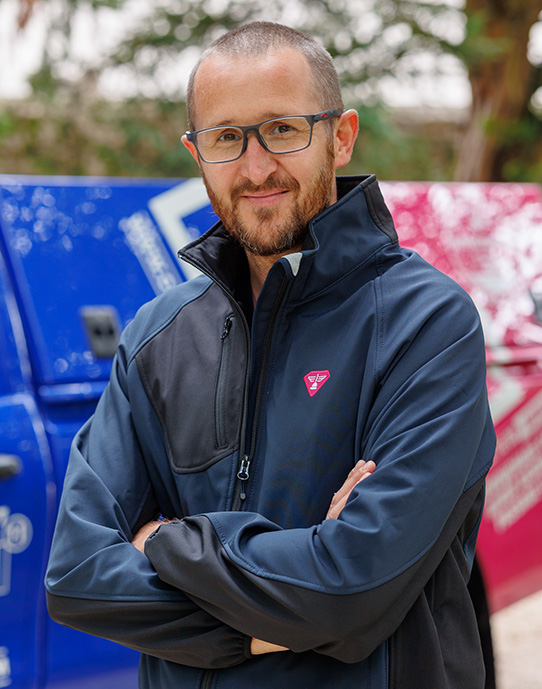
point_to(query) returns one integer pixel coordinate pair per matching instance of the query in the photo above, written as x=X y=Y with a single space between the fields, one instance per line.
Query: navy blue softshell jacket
x=219 y=425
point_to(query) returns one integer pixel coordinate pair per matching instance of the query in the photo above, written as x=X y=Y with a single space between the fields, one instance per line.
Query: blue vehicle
x=78 y=257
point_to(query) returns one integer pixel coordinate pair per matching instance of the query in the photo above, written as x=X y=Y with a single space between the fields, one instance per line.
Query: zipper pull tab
x=243 y=475
x=227 y=328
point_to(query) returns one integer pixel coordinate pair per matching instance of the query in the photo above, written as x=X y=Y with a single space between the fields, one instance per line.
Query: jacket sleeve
x=96 y=580
x=343 y=586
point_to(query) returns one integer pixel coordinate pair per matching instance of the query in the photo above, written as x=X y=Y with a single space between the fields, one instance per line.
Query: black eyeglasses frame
x=247 y=129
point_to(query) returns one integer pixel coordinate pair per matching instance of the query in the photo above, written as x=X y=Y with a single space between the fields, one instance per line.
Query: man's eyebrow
x=266 y=116
x=226 y=123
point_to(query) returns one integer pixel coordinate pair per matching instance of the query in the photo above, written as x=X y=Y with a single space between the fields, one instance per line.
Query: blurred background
x=447 y=90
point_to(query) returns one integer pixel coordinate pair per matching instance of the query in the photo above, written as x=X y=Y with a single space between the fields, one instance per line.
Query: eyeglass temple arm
x=326 y=115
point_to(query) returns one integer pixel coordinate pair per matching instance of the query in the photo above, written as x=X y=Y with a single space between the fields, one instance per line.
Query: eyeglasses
x=278 y=135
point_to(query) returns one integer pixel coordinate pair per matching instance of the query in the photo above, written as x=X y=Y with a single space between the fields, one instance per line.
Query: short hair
x=258 y=38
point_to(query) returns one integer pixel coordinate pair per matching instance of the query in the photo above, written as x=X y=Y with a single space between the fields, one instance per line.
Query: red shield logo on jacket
x=314 y=381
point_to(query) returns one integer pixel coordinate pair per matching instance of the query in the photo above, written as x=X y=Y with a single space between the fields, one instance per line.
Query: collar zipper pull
x=243 y=475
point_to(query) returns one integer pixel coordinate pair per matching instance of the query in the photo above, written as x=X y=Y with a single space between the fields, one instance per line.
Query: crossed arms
x=360 y=472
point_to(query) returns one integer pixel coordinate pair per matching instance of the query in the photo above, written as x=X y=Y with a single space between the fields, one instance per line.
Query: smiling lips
x=264 y=198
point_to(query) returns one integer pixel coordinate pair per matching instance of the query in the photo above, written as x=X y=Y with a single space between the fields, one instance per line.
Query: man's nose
x=256 y=162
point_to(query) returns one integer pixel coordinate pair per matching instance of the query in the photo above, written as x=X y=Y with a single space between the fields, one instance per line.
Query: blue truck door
x=26 y=507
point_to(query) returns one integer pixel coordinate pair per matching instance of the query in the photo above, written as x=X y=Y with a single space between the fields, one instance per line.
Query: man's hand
x=143 y=533
x=259 y=647
x=360 y=472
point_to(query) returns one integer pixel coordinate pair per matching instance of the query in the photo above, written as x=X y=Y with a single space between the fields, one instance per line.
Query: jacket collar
x=340 y=238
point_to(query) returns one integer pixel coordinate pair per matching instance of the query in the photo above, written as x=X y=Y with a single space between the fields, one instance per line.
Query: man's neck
x=259 y=266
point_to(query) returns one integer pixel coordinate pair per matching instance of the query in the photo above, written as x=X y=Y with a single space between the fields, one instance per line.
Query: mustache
x=270 y=184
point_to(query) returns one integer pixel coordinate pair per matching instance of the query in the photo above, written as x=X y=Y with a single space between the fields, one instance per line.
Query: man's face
x=265 y=201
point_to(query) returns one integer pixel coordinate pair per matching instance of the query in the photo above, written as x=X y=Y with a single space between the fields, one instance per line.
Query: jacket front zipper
x=243 y=475
x=245 y=459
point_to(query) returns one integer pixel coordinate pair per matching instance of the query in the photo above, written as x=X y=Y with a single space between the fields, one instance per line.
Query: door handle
x=10 y=465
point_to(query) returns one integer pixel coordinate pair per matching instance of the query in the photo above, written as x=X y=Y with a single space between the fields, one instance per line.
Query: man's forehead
x=237 y=87
x=270 y=59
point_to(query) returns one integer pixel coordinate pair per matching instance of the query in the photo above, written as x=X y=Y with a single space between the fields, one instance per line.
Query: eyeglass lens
x=281 y=135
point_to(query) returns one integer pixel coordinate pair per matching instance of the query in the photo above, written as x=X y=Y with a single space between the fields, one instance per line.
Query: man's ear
x=344 y=137
x=191 y=148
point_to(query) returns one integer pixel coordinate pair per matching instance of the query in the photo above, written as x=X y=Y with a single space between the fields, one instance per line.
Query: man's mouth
x=264 y=198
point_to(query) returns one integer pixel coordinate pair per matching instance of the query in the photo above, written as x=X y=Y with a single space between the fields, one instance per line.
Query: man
x=241 y=400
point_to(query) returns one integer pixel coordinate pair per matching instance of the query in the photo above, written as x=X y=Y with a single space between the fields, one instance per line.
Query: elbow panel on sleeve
x=179 y=632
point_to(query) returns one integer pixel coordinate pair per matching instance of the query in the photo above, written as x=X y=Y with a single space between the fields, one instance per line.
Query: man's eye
x=228 y=137
x=283 y=129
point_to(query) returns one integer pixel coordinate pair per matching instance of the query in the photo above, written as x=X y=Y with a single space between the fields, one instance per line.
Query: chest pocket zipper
x=221 y=383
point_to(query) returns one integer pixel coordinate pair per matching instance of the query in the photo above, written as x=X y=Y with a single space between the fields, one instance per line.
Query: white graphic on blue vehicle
x=15 y=537
x=5 y=667
x=171 y=209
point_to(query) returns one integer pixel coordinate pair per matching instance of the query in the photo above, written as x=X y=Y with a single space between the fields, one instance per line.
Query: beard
x=268 y=234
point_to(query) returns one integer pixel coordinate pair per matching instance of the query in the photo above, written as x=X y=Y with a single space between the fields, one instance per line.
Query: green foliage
x=8 y=125
x=66 y=128
x=520 y=147
x=45 y=85
x=393 y=151
x=72 y=137
x=478 y=46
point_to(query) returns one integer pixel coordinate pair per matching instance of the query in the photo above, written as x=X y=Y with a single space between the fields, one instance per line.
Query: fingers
x=361 y=469
x=360 y=472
